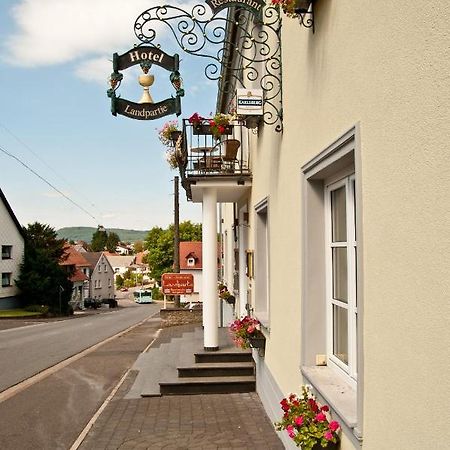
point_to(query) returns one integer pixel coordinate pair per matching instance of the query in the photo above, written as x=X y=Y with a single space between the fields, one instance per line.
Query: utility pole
x=176 y=237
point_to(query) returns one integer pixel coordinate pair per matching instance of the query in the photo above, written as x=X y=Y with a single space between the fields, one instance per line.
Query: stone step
x=221 y=369
x=208 y=385
x=215 y=357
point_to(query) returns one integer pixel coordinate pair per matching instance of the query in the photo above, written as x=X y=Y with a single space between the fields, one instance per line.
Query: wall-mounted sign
x=249 y=102
x=146 y=109
x=177 y=283
x=254 y=6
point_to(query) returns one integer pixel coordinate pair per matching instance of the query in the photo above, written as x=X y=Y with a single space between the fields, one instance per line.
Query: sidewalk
x=206 y=421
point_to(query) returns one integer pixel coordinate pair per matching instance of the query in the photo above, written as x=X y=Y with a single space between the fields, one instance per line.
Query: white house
x=191 y=263
x=12 y=247
x=120 y=264
x=101 y=276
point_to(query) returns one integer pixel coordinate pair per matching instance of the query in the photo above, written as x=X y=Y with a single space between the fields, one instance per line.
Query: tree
x=159 y=243
x=111 y=241
x=42 y=280
x=138 y=247
x=119 y=281
x=99 y=238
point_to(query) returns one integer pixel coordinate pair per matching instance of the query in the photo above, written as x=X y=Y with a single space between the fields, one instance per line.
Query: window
x=332 y=304
x=105 y=268
x=6 y=251
x=109 y=282
x=341 y=273
x=99 y=268
x=6 y=279
x=191 y=262
x=261 y=261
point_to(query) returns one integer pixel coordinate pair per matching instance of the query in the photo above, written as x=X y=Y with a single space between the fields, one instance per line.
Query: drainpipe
x=209 y=247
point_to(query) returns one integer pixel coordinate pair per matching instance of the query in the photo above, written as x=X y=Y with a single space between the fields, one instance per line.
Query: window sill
x=336 y=390
x=263 y=317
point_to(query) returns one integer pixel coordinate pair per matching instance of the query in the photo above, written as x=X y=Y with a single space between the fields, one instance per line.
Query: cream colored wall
x=386 y=66
x=9 y=235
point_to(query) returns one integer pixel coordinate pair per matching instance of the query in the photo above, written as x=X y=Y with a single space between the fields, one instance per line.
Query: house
x=123 y=249
x=12 y=244
x=334 y=216
x=101 y=276
x=191 y=263
x=79 y=267
x=120 y=264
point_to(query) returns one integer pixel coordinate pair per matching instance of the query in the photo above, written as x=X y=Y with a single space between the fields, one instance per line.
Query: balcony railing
x=206 y=155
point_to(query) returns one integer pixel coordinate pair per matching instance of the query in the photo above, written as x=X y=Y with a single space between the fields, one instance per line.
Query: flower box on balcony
x=205 y=129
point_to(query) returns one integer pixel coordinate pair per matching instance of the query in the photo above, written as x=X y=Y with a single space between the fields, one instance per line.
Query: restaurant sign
x=177 y=283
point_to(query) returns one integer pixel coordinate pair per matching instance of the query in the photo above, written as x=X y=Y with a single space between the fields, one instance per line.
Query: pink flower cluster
x=303 y=417
x=242 y=329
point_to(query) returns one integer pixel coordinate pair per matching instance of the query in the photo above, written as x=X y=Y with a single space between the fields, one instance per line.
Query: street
x=28 y=350
x=50 y=414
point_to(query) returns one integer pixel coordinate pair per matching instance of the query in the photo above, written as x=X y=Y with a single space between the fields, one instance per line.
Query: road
x=50 y=414
x=28 y=350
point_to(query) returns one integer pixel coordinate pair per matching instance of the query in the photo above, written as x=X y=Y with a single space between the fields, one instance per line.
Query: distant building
x=120 y=264
x=101 y=276
x=75 y=262
x=12 y=243
x=191 y=263
x=123 y=249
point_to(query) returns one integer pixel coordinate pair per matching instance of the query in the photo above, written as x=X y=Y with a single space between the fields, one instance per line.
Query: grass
x=17 y=313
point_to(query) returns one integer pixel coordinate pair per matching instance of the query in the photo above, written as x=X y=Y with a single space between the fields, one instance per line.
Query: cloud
x=95 y=69
x=56 y=32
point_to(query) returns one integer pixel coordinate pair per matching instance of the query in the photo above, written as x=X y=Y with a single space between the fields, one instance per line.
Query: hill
x=85 y=234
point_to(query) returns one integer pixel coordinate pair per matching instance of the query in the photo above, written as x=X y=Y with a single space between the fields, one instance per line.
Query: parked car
x=124 y=289
x=92 y=303
x=193 y=305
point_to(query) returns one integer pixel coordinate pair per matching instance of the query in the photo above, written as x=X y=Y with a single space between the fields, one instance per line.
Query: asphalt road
x=51 y=413
x=28 y=350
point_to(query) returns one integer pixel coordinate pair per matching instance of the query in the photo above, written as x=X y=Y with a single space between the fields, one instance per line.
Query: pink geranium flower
x=320 y=417
x=328 y=435
x=333 y=426
x=299 y=421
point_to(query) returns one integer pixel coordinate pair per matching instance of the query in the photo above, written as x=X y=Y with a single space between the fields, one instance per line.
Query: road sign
x=178 y=283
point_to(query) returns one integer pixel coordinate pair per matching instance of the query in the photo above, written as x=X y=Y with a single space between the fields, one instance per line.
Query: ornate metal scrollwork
x=250 y=55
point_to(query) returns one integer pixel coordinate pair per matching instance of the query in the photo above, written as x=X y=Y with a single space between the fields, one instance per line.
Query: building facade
x=337 y=241
x=12 y=248
x=101 y=276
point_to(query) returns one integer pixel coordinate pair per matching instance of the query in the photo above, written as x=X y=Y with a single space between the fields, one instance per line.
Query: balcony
x=210 y=161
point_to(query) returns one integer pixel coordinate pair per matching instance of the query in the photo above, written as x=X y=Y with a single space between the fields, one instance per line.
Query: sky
x=55 y=60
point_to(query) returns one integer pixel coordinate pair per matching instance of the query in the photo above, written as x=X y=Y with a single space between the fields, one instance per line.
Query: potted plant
x=245 y=329
x=293 y=8
x=198 y=124
x=307 y=423
x=174 y=155
x=169 y=133
x=220 y=124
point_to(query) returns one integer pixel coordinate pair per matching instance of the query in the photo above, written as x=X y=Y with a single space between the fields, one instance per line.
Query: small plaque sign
x=249 y=102
x=177 y=283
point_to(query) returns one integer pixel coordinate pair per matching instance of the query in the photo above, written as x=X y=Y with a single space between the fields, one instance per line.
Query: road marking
x=25 y=384
x=94 y=418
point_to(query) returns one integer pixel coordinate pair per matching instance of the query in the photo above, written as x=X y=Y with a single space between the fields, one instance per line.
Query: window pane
x=340 y=333
x=340 y=274
x=338 y=215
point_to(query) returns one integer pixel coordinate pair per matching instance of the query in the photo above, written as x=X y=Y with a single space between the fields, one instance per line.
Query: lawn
x=17 y=313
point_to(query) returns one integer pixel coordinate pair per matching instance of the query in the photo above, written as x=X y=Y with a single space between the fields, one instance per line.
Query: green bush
x=157 y=294
x=41 y=309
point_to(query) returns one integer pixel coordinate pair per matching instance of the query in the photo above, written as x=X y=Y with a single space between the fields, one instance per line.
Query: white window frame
x=351 y=306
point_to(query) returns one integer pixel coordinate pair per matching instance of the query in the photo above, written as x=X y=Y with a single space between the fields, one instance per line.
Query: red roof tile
x=72 y=257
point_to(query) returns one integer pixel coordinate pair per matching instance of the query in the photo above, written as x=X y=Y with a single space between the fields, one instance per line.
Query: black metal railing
x=209 y=154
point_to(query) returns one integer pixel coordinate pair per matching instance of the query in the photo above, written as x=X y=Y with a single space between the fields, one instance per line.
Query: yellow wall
x=386 y=66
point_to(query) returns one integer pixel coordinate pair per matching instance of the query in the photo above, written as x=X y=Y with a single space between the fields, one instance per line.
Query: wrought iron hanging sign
x=242 y=47
x=146 y=109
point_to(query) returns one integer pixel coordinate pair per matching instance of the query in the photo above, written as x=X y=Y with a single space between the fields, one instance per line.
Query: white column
x=243 y=245
x=209 y=276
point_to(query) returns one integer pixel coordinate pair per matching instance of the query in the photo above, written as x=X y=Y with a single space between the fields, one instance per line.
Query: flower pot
x=331 y=446
x=258 y=341
x=302 y=6
x=201 y=129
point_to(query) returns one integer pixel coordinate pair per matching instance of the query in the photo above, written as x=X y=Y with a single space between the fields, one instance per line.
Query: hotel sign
x=177 y=283
x=146 y=56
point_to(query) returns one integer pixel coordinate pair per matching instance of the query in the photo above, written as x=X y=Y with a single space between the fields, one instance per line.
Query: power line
x=47 y=182
x=47 y=165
